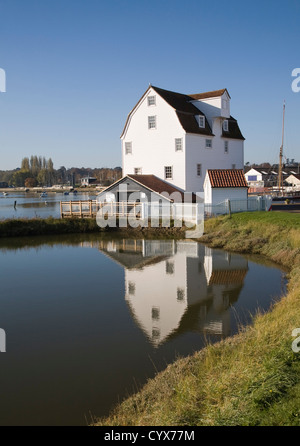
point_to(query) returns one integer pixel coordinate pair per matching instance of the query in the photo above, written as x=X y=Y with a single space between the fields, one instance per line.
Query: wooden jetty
x=90 y=209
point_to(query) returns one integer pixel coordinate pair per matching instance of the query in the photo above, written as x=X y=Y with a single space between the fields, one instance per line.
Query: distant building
x=88 y=181
x=293 y=180
x=254 y=178
x=260 y=178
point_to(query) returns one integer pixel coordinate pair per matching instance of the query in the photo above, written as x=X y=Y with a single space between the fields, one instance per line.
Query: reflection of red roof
x=227 y=178
x=227 y=277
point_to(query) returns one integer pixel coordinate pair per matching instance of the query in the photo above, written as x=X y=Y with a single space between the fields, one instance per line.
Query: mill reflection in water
x=172 y=287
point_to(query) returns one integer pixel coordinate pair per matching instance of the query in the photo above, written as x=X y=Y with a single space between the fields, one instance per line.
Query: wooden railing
x=90 y=208
x=80 y=209
x=121 y=209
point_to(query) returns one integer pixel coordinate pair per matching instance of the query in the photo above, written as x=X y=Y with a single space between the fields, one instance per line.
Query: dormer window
x=225 y=125
x=201 y=121
x=151 y=100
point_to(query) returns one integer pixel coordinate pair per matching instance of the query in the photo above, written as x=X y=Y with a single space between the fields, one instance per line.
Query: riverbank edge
x=56 y=226
x=252 y=378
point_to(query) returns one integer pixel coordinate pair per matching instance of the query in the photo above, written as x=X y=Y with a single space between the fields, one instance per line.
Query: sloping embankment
x=252 y=378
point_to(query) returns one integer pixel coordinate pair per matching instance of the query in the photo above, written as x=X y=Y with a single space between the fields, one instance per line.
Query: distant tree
x=19 y=177
x=42 y=177
x=30 y=182
x=25 y=165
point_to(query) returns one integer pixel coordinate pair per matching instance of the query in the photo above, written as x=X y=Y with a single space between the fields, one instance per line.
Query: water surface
x=89 y=318
x=31 y=204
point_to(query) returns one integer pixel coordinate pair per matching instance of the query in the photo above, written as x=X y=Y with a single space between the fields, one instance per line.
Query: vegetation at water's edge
x=252 y=378
x=50 y=226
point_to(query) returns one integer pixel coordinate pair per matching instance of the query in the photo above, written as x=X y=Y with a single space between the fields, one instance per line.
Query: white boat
x=5 y=194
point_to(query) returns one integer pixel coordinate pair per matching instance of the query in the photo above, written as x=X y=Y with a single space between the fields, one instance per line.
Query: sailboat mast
x=280 y=178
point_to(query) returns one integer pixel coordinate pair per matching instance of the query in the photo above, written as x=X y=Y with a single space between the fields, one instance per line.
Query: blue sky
x=75 y=68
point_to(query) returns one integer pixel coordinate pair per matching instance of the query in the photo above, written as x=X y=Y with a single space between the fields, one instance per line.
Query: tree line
x=39 y=171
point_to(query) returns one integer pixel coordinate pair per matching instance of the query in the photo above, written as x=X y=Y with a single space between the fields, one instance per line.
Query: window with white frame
x=128 y=148
x=178 y=144
x=151 y=100
x=226 y=147
x=168 y=172
x=225 y=125
x=202 y=122
x=199 y=170
x=151 y=122
x=208 y=143
x=137 y=171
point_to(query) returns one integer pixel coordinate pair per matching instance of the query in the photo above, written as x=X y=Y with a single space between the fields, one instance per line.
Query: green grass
x=250 y=379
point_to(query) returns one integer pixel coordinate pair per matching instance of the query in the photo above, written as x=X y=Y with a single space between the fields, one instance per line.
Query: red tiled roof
x=209 y=94
x=156 y=184
x=227 y=178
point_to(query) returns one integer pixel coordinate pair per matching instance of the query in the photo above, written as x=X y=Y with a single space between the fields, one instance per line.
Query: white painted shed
x=221 y=185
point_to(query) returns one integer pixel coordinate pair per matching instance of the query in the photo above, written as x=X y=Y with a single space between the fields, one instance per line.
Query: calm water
x=87 y=319
x=30 y=204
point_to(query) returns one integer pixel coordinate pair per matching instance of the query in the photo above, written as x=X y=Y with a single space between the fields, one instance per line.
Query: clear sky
x=75 y=68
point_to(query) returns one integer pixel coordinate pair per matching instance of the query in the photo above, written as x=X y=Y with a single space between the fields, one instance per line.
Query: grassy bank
x=252 y=378
x=54 y=226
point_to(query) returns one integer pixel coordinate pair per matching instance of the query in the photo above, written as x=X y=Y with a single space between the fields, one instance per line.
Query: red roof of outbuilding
x=227 y=178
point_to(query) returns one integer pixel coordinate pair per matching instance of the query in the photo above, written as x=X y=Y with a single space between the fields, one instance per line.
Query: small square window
x=178 y=144
x=168 y=172
x=137 y=171
x=226 y=147
x=128 y=147
x=199 y=170
x=151 y=100
x=151 y=122
x=225 y=125
x=208 y=143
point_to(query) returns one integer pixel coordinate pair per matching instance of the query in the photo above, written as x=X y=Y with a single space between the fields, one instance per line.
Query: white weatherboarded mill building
x=178 y=137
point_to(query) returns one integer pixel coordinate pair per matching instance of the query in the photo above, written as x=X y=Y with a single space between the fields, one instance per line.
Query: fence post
x=229 y=208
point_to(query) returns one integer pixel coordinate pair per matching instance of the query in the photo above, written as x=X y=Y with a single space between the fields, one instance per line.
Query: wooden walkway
x=90 y=208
